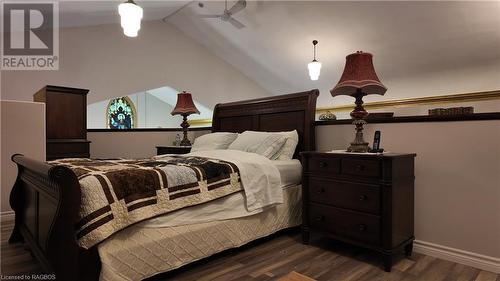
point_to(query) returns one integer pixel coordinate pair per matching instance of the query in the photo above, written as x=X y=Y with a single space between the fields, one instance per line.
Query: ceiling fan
x=227 y=15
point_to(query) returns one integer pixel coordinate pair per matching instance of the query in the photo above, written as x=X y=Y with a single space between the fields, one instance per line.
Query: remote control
x=376 y=141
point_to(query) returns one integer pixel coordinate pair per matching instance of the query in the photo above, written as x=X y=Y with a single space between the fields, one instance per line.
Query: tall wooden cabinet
x=66 y=121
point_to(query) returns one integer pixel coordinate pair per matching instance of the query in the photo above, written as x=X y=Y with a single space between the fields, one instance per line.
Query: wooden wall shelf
x=397 y=119
x=417 y=118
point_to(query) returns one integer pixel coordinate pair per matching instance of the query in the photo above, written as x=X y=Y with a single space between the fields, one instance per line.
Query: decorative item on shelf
x=314 y=67
x=379 y=115
x=358 y=80
x=177 y=141
x=327 y=116
x=468 y=110
x=451 y=111
x=131 y=16
x=185 y=107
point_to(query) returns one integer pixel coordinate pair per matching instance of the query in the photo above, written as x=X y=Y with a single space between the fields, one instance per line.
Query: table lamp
x=358 y=80
x=185 y=106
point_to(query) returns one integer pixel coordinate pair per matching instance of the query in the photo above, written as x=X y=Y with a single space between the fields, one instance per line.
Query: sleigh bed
x=46 y=200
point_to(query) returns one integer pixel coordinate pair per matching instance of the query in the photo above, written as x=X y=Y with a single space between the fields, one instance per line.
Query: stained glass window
x=121 y=114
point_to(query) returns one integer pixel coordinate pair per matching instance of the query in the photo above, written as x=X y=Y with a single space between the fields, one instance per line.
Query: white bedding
x=136 y=252
x=233 y=206
x=290 y=171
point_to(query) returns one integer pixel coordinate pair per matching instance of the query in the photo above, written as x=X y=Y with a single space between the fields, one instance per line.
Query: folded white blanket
x=259 y=176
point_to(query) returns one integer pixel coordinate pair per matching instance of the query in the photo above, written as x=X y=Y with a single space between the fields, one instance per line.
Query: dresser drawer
x=361 y=167
x=348 y=224
x=323 y=165
x=360 y=197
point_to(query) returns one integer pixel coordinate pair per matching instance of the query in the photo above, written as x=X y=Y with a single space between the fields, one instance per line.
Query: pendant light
x=131 y=15
x=314 y=66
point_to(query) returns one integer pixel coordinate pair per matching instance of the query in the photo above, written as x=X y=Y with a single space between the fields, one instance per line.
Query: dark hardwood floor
x=275 y=256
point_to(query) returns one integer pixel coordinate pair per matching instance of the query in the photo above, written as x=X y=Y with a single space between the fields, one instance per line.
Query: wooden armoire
x=66 y=121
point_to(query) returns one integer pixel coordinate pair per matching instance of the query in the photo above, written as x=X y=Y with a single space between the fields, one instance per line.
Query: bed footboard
x=46 y=200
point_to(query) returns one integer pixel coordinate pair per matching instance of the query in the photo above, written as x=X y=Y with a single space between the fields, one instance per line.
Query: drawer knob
x=321 y=190
x=319 y=218
x=360 y=167
x=362 y=198
x=323 y=164
x=362 y=227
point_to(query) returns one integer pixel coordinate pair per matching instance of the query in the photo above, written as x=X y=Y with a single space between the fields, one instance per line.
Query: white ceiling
x=84 y=13
x=406 y=38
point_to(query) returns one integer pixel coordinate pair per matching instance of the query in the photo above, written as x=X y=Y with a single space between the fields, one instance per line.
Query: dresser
x=363 y=199
x=66 y=121
x=172 y=150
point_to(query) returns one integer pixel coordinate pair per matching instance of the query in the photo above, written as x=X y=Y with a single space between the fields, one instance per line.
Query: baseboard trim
x=459 y=256
x=7 y=216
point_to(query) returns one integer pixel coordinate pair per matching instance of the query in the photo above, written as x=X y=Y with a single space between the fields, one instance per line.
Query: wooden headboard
x=271 y=114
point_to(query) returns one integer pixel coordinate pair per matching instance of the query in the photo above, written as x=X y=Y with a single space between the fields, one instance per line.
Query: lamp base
x=185 y=125
x=185 y=142
x=358 y=147
x=359 y=144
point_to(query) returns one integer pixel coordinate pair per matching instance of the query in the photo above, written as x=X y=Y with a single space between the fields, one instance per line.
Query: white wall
x=23 y=131
x=151 y=112
x=96 y=115
x=103 y=60
x=157 y=114
x=132 y=144
x=153 y=109
x=457 y=170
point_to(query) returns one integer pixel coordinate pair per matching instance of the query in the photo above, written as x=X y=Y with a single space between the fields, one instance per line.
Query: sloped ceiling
x=406 y=38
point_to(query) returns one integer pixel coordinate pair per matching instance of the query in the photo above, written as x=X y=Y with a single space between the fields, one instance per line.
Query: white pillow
x=213 y=141
x=263 y=143
x=288 y=149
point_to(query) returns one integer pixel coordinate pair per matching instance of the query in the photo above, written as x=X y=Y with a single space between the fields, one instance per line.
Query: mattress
x=139 y=252
x=290 y=171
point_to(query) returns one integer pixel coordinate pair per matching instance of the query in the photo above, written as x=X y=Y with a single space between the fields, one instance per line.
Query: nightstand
x=172 y=150
x=363 y=199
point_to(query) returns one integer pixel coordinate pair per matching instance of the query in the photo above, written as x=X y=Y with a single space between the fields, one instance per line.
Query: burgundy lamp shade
x=185 y=105
x=359 y=75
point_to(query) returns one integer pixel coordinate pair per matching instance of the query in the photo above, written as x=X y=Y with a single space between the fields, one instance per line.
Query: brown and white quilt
x=118 y=193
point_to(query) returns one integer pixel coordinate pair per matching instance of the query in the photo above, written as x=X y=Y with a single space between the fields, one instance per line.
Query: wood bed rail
x=46 y=201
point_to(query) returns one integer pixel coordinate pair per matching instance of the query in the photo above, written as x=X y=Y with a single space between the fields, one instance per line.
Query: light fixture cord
x=314 y=49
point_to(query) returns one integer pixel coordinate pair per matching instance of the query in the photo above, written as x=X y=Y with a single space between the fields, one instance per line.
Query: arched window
x=121 y=114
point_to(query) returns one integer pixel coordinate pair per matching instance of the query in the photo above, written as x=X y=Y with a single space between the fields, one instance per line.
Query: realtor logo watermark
x=30 y=36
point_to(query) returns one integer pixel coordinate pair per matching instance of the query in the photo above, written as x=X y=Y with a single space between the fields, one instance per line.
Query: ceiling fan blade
x=240 y=5
x=209 y=16
x=236 y=23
